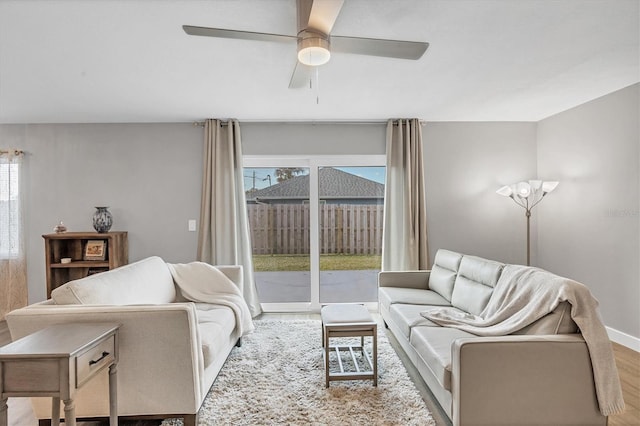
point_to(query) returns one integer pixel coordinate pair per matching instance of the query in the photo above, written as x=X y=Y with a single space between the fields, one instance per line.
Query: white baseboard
x=624 y=339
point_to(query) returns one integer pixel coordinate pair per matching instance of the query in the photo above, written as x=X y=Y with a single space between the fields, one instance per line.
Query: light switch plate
x=192 y=225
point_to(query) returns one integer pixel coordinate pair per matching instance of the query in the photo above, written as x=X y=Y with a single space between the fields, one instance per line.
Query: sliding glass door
x=316 y=229
x=278 y=209
x=350 y=227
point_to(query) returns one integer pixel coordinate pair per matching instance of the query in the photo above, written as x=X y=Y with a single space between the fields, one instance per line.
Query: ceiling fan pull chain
x=317 y=86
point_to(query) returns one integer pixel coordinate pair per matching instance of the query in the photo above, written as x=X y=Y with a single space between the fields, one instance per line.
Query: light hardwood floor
x=627 y=361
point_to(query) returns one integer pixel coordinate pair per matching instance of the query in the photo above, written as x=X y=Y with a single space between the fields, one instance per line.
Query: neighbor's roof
x=333 y=183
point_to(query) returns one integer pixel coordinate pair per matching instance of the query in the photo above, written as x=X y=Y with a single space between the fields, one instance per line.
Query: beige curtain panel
x=13 y=262
x=224 y=237
x=404 y=237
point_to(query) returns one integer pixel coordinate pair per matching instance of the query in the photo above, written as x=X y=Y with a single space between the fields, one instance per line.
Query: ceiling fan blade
x=301 y=76
x=240 y=35
x=379 y=47
x=324 y=14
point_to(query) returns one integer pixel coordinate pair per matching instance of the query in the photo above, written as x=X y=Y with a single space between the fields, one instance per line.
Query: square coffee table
x=349 y=320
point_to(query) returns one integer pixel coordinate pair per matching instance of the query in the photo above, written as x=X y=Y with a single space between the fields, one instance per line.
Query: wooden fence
x=344 y=228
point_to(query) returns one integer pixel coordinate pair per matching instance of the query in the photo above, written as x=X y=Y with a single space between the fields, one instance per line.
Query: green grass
x=328 y=262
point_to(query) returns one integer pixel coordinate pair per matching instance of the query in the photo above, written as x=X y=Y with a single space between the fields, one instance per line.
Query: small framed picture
x=95 y=250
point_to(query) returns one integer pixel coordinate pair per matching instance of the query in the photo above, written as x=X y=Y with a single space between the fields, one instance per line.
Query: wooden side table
x=56 y=362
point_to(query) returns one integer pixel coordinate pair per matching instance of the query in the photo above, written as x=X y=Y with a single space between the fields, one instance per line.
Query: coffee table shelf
x=349 y=320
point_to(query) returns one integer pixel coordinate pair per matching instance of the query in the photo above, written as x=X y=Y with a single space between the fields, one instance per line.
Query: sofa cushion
x=390 y=295
x=557 y=322
x=408 y=316
x=433 y=344
x=216 y=324
x=444 y=271
x=474 y=284
x=147 y=281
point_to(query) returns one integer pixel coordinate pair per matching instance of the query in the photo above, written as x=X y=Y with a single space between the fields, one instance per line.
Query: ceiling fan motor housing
x=313 y=48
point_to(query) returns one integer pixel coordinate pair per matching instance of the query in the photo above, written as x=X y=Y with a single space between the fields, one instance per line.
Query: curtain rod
x=224 y=123
x=15 y=151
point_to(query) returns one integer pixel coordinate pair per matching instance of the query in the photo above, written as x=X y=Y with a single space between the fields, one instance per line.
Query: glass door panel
x=279 y=221
x=350 y=232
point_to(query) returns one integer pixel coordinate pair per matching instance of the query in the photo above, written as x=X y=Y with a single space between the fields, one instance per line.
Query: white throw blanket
x=524 y=295
x=201 y=282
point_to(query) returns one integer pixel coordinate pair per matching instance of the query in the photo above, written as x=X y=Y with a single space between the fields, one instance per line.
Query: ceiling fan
x=315 y=42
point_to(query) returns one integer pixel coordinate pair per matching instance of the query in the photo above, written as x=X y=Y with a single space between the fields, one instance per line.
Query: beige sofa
x=171 y=350
x=541 y=374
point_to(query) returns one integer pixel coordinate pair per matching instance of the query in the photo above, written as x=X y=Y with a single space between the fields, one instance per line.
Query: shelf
x=82 y=235
x=82 y=264
x=73 y=245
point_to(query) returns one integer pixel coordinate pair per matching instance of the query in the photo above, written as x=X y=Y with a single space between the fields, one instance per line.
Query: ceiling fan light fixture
x=314 y=51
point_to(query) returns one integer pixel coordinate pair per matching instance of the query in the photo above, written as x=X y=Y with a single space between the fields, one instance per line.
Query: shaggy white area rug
x=277 y=378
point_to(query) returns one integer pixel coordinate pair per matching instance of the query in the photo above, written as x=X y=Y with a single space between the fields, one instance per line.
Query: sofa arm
x=234 y=273
x=160 y=365
x=404 y=279
x=517 y=380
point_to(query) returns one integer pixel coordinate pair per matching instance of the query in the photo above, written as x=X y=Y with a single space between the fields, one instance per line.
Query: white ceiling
x=72 y=61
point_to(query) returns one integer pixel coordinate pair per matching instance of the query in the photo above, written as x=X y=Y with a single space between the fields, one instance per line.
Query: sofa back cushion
x=147 y=281
x=474 y=283
x=443 y=273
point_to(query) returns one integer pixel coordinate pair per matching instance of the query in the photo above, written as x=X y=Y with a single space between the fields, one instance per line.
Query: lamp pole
x=527 y=195
x=528 y=214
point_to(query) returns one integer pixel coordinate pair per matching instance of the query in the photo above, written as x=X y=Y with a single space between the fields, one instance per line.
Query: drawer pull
x=104 y=355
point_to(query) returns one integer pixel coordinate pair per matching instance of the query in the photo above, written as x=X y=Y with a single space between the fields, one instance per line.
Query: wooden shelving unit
x=72 y=245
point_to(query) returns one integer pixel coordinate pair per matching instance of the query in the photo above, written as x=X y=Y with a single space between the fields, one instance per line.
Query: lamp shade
x=535 y=185
x=505 y=191
x=531 y=191
x=549 y=186
x=523 y=189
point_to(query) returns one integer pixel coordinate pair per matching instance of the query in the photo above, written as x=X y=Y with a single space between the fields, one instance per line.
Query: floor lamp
x=527 y=195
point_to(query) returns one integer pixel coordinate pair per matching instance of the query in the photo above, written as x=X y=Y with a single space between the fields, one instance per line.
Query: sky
x=262 y=177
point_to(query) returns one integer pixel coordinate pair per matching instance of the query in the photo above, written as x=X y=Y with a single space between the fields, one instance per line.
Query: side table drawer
x=93 y=360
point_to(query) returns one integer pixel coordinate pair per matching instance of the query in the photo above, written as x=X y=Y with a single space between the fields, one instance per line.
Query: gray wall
x=149 y=175
x=465 y=163
x=313 y=138
x=590 y=232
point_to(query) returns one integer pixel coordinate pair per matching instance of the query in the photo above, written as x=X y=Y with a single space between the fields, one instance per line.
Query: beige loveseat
x=539 y=375
x=171 y=350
